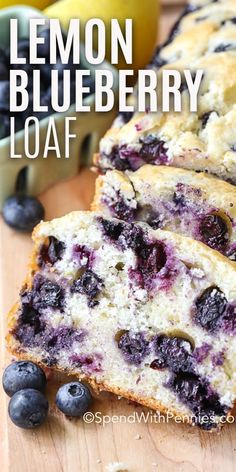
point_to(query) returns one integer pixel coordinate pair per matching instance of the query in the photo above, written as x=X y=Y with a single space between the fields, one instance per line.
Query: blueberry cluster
x=43 y=51
x=151 y=256
x=152 y=151
x=25 y=383
x=177 y=355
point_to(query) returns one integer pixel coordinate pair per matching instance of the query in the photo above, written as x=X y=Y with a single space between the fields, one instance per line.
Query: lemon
x=40 y=4
x=144 y=15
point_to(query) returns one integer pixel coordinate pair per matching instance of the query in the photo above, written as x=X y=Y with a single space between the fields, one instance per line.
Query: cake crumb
x=116 y=467
x=99 y=461
x=154 y=464
x=138 y=436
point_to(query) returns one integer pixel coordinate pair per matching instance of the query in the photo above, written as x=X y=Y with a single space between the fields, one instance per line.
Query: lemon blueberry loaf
x=205 y=39
x=186 y=202
x=146 y=314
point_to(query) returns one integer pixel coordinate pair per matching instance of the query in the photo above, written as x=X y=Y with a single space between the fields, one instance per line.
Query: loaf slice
x=149 y=315
x=203 y=39
x=202 y=141
x=189 y=203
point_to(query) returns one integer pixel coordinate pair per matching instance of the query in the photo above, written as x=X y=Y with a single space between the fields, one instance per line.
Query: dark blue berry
x=198 y=395
x=151 y=257
x=214 y=231
x=153 y=150
x=111 y=229
x=210 y=308
x=50 y=294
x=116 y=160
x=134 y=347
x=28 y=408
x=89 y=284
x=23 y=374
x=22 y=212
x=172 y=352
x=73 y=399
x=51 y=253
x=118 y=207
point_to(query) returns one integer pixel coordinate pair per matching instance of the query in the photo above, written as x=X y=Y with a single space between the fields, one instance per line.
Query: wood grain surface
x=63 y=445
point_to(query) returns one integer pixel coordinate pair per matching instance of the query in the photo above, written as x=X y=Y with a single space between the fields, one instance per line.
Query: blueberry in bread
x=204 y=141
x=149 y=315
x=201 y=141
x=186 y=202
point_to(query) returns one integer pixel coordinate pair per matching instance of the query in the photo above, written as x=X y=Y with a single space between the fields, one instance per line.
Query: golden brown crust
x=103 y=386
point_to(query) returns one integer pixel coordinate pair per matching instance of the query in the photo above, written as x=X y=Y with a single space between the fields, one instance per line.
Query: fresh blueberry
x=22 y=212
x=23 y=374
x=214 y=231
x=73 y=399
x=134 y=347
x=210 y=308
x=28 y=408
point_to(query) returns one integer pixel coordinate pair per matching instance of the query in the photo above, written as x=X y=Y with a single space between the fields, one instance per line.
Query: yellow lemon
x=40 y=4
x=144 y=16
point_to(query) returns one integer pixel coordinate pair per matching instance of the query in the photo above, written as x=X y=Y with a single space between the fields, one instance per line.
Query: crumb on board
x=138 y=436
x=117 y=467
x=99 y=461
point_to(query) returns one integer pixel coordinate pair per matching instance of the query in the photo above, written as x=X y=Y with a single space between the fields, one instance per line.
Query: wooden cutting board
x=62 y=445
